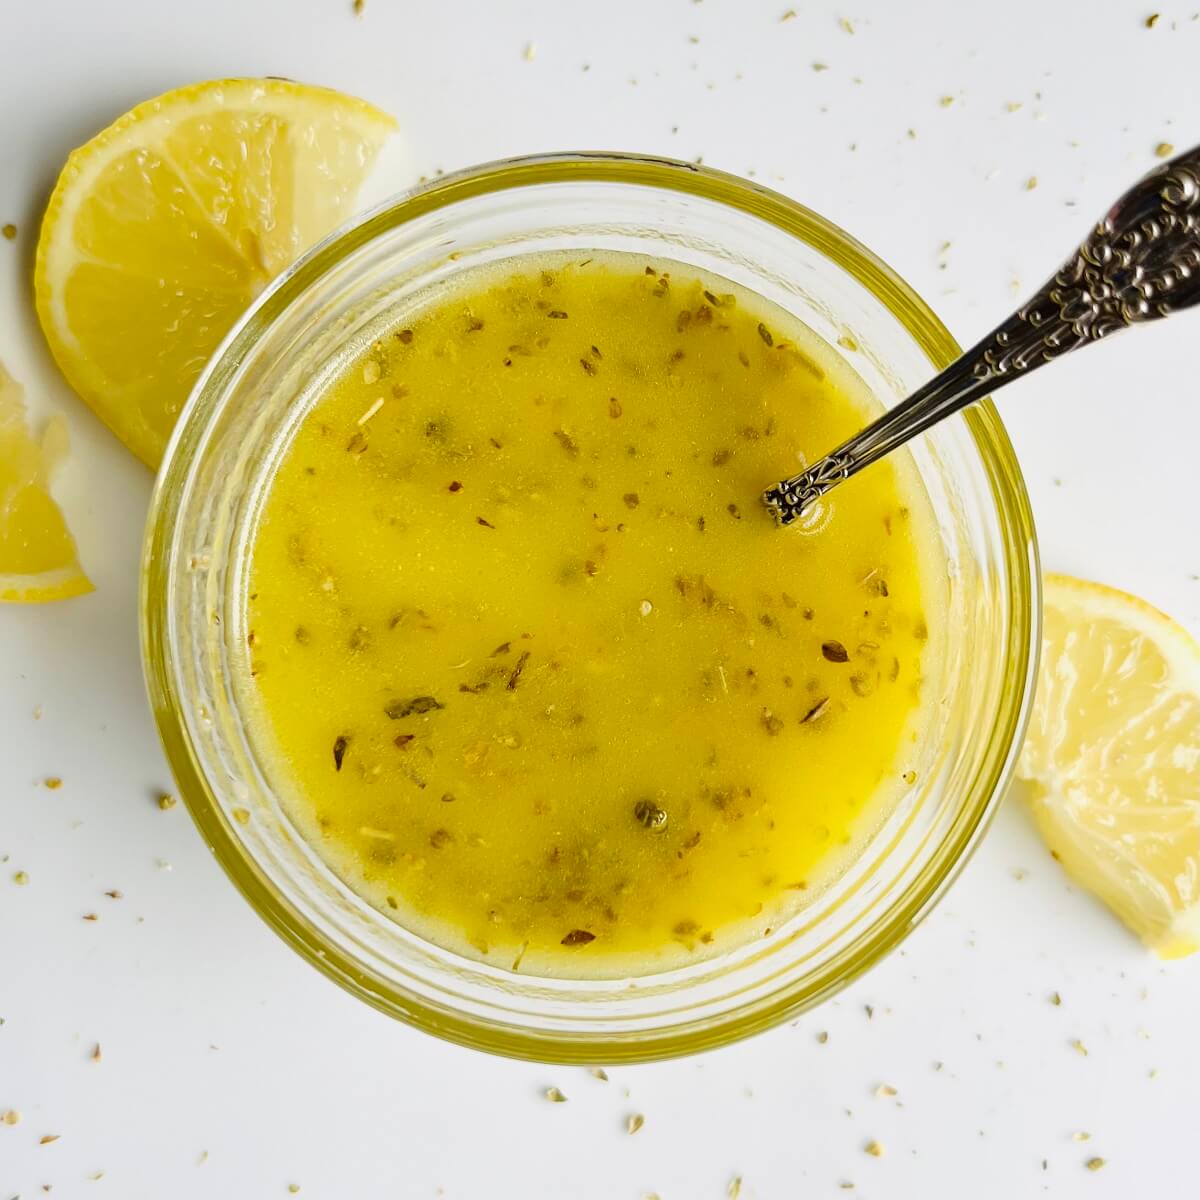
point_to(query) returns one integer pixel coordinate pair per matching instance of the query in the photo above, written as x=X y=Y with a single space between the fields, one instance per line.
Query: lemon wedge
x=1113 y=757
x=165 y=226
x=37 y=552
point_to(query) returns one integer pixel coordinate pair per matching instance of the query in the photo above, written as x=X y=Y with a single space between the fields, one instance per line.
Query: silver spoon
x=1141 y=262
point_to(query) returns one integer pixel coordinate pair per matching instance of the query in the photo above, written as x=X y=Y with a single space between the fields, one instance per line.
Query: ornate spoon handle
x=1141 y=262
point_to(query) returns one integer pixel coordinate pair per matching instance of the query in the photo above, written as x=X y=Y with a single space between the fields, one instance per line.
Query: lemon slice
x=37 y=552
x=165 y=226
x=1113 y=757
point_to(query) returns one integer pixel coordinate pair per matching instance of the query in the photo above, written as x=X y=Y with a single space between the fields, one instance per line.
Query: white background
x=229 y=1067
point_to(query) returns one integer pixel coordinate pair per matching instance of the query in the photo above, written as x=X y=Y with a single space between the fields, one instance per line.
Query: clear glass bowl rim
x=904 y=305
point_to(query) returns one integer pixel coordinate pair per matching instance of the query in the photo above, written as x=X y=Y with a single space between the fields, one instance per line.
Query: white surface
x=230 y=1068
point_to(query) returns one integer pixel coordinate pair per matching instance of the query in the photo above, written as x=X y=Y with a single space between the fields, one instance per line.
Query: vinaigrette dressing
x=538 y=675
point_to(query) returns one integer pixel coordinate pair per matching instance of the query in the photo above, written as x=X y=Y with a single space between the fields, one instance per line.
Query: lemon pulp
x=1113 y=757
x=164 y=227
x=38 y=561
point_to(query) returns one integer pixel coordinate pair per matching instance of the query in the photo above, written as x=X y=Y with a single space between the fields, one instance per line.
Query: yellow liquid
x=539 y=674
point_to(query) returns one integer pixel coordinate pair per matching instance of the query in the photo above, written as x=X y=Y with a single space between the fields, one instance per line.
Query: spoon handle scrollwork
x=1140 y=263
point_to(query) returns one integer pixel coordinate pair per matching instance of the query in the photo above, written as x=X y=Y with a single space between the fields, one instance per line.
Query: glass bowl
x=240 y=418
